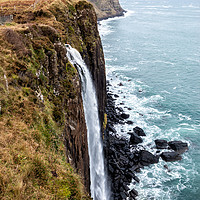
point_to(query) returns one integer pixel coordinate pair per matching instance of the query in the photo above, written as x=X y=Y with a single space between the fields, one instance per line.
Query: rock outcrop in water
x=107 y=8
x=126 y=157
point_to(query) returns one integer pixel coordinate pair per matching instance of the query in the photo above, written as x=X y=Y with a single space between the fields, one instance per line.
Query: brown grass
x=32 y=155
x=11 y=6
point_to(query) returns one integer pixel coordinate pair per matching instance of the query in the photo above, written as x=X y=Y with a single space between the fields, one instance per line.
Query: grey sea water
x=154 y=51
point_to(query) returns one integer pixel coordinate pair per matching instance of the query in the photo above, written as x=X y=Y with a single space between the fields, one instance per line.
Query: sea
x=152 y=57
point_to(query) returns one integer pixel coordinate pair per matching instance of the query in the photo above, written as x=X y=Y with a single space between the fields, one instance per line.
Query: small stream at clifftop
x=98 y=179
x=154 y=52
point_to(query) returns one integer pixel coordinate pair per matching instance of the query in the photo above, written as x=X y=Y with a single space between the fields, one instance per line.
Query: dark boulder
x=133 y=168
x=123 y=195
x=120 y=109
x=147 y=158
x=133 y=193
x=161 y=144
x=178 y=146
x=111 y=129
x=170 y=156
x=135 y=139
x=130 y=122
x=136 y=179
x=139 y=131
x=124 y=116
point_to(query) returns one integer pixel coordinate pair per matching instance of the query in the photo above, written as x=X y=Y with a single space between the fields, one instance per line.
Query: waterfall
x=98 y=185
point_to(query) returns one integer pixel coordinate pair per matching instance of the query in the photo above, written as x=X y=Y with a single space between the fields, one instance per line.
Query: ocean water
x=154 y=51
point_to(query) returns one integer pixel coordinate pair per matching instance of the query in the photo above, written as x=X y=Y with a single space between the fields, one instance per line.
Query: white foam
x=190 y=6
x=103 y=25
x=184 y=117
x=154 y=179
x=156 y=182
x=104 y=29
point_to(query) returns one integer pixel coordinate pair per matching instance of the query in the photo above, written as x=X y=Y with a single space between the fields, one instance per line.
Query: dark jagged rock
x=178 y=146
x=139 y=131
x=125 y=116
x=111 y=128
x=126 y=158
x=120 y=109
x=120 y=166
x=147 y=158
x=136 y=179
x=170 y=156
x=130 y=122
x=133 y=193
x=135 y=139
x=116 y=96
x=123 y=195
x=161 y=144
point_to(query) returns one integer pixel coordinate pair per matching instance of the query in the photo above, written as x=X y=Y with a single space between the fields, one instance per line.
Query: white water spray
x=98 y=186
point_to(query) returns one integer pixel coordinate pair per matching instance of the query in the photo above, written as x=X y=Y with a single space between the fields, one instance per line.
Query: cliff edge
x=43 y=140
x=107 y=8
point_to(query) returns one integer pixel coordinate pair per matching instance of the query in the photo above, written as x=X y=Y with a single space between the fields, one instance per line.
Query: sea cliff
x=107 y=8
x=43 y=132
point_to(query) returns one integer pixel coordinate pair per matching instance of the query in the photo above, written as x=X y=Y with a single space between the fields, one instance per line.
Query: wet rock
x=133 y=168
x=111 y=169
x=136 y=179
x=133 y=193
x=120 y=109
x=108 y=83
x=166 y=167
x=178 y=146
x=147 y=158
x=111 y=129
x=125 y=116
x=123 y=195
x=116 y=96
x=126 y=188
x=130 y=122
x=139 y=131
x=132 y=198
x=161 y=144
x=135 y=139
x=170 y=156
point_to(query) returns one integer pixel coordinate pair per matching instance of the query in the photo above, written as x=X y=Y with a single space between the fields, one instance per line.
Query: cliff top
x=8 y=7
x=32 y=114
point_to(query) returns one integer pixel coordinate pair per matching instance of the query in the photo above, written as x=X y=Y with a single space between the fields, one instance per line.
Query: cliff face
x=41 y=90
x=107 y=8
x=93 y=52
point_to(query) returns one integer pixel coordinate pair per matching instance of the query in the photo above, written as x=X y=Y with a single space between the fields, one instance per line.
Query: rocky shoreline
x=125 y=157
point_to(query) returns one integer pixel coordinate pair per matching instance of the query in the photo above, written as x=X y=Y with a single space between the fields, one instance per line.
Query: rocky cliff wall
x=107 y=8
x=38 y=68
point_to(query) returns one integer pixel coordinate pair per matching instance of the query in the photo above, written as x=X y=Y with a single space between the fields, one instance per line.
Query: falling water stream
x=98 y=177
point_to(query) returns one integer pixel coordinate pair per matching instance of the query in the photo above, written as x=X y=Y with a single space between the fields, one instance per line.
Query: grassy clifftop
x=42 y=126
